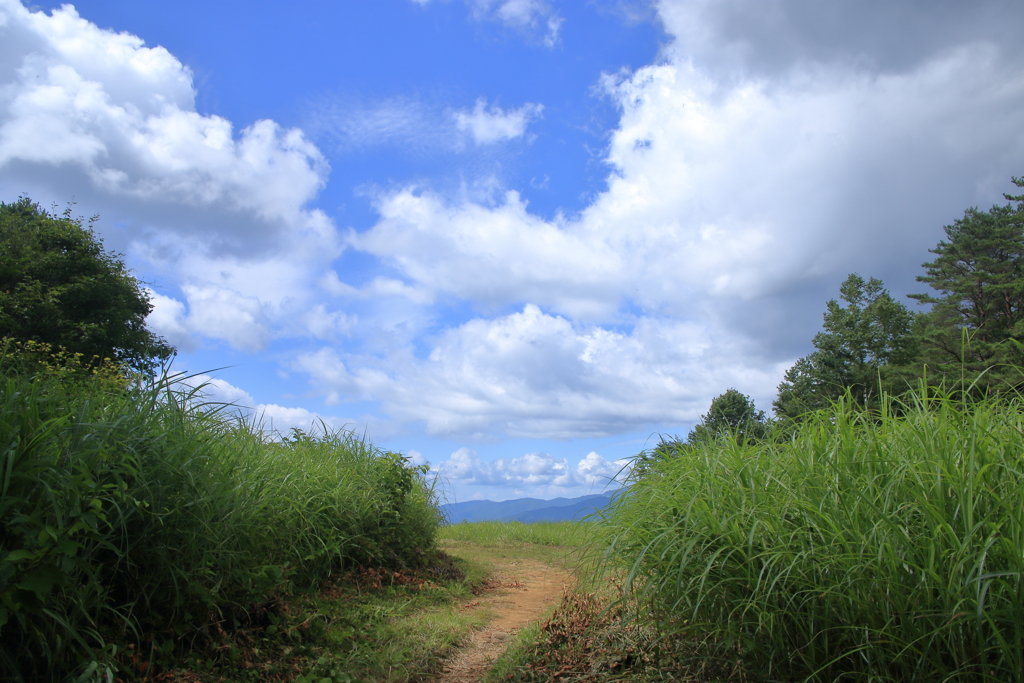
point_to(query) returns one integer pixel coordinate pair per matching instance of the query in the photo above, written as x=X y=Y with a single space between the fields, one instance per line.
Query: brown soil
x=517 y=593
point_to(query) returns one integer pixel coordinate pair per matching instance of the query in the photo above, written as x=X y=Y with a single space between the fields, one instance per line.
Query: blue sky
x=514 y=238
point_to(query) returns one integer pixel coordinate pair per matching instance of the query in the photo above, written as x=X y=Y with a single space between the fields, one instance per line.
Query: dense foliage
x=882 y=546
x=731 y=414
x=140 y=512
x=971 y=338
x=858 y=342
x=58 y=286
x=976 y=321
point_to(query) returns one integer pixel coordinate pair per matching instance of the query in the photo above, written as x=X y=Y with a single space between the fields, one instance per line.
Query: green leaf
x=41 y=580
x=18 y=555
x=69 y=547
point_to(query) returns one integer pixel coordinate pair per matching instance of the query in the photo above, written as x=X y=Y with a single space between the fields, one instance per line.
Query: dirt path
x=519 y=592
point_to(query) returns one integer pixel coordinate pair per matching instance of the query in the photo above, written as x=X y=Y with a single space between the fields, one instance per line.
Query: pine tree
x=858 y=344
x=976 y=322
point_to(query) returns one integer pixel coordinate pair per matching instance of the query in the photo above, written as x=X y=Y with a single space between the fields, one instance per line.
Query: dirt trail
x=519 y=592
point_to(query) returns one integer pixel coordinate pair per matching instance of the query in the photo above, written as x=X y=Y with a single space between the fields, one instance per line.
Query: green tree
x=730 y=414
x=854 y=352
x=976 y=320
x=59 y=287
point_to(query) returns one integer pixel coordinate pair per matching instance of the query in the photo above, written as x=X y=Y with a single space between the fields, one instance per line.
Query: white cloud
x=492 y=124
x=123 y=114
x=329 y=325
x=167 y=319
x=533 y=470
x=526 y=15
x=738 y=199
x=766 y=154
x=271 y=417
x=535 y=18
x=415 y=458
x=594 y=470
x=496 y=255
x=416 y=127
x=537 y=375
x=729 y=194
x=219 y=213
x=229 y=315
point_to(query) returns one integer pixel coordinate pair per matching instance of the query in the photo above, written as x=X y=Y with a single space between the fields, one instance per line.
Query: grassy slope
x=140 y=519
x=153 y=530
x=379 y=626
x=363 y=626
x=876 y=548
x=884 y=548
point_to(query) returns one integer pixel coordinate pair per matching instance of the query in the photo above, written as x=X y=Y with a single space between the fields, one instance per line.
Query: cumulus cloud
x=496 y=254
x=102 y=115
x=90 y=101
x=415 y=458
x=488 y=124
x=737 y=201
x=167 y=319
x=730 y=195
x=271 y=417
x=747 y=179
x=767 y=153
x=533 y=374
x=733 y=39
x=328 y=325
x=534 y=470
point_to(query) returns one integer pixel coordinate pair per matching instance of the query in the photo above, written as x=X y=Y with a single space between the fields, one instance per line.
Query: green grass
x=142 y=528
x=358 y=628
x=563 y=544
x=864 y=548
x=508 y=534
x=144 y=515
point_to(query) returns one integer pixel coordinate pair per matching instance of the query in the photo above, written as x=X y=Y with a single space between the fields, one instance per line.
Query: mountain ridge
x=526 y=510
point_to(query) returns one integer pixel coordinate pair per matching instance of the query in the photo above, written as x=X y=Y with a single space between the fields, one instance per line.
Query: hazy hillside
x=524 y=509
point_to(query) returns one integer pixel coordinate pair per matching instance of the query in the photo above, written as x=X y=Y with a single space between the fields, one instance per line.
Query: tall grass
x=863 y=548
x=144 y=513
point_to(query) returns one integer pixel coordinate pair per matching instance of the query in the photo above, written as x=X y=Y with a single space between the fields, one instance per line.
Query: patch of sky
x=423 y=63
x=356 y=268
x=262 y=58
x=630 y=309
x=450 y=312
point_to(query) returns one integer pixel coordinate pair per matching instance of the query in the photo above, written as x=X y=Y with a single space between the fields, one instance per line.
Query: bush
x=59 y=286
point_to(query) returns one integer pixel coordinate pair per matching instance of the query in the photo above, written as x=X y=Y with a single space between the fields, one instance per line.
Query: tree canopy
x=730 y=414
x=976 y=321
x=858 y=341
x=58 y=286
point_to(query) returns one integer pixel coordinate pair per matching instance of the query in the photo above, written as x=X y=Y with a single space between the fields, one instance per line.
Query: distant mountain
x=524 y=509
